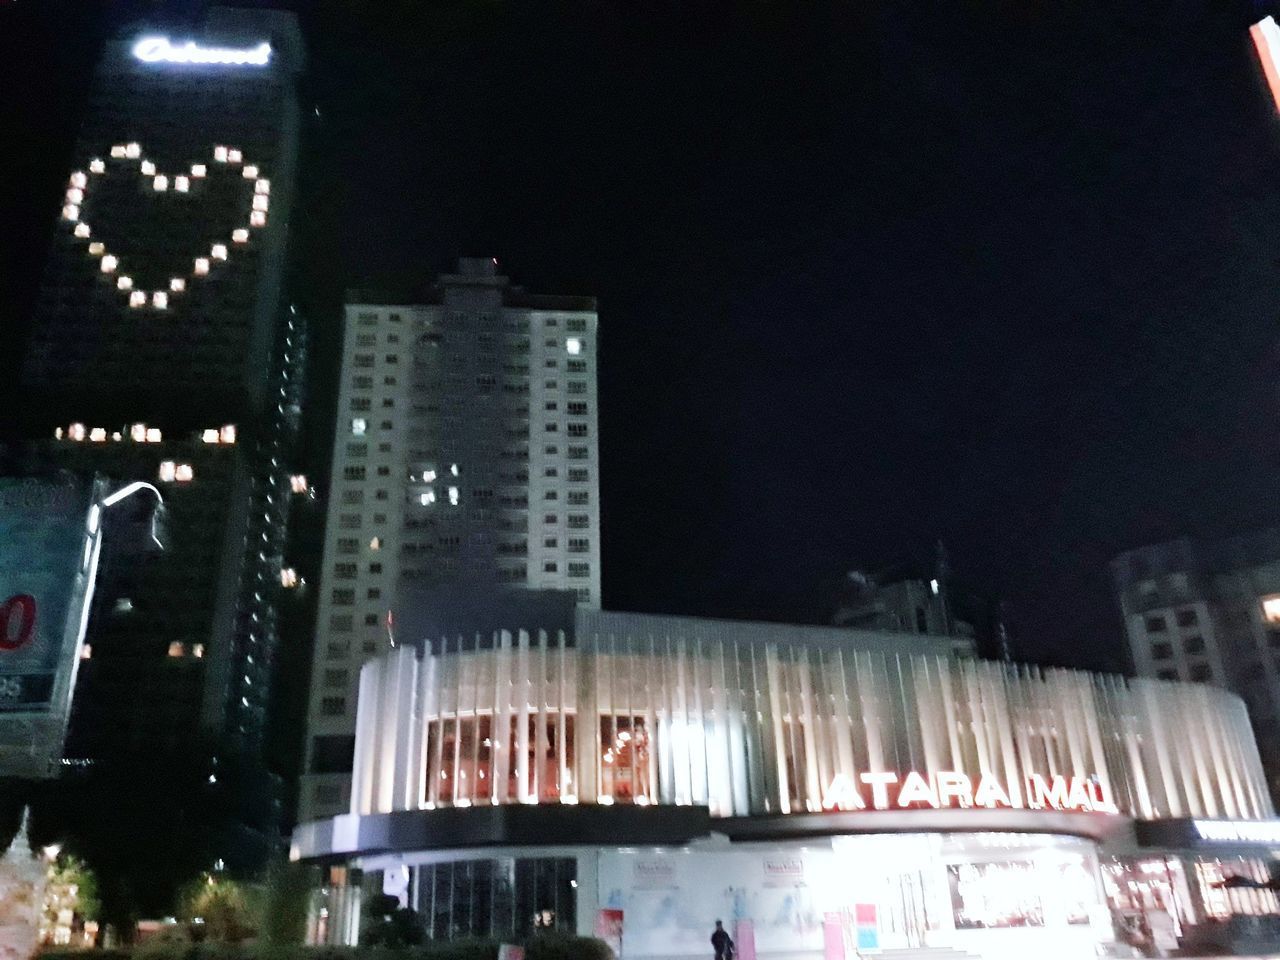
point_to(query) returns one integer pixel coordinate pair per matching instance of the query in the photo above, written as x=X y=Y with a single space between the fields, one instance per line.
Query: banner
x=49 y=540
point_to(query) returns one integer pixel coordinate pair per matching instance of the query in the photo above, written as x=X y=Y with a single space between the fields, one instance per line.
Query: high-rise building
x=1209 y=612
x=465 y=464
x=163 y=348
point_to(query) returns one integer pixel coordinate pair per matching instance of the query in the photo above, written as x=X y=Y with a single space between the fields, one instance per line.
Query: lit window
x=453 y=496
x=183 y=473
x=375 y=543
x=109 y=263
x=177 y=284
x=96 y=249
x=574 y=346
x=182 y=184
x=70 y=212
x=97 y=166
x=288 y=577
x=137 y=299
x=138 y=433
x=160 y=183
x=75 y=195
x=199 y=169
x=219 y=251
x=1271 y=609
x=240 y=236
x=57 y=433
x=228 y=433
x=210 y=436
x=197 y=650
x=148 y=168
x=358 y=426
x=124 y=283
x=250 y=172
x=98 y=434
x=153 y=434
x=176 y=649
x=168 y=471
x=234 y=156
x=202 y=266
x=453 y=468
x=428 y=498
x=86 y=652
x=257 y=219
x=82 y=231
x=118 y=151
x=261 y=201
x=78 y=179
x=76 y=431
x=160 y=300
x=298 y=483
x=262 y=186
x=133 y=151
x=220 y=154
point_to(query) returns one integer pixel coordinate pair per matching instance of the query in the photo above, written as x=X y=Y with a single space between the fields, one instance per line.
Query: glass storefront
x=502 y=898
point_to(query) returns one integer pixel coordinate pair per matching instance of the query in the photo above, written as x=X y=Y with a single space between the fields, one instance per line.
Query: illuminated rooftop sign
x=161 y=50
x=1239 y=831
x=951 y=789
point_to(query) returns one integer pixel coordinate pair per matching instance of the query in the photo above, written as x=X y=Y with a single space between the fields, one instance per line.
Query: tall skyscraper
x=1209 y=612
x=164 y=349
x=465 y=464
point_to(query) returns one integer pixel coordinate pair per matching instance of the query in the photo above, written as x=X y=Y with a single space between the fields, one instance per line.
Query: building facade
x=164 y=349
x=822 y=795
x=1209 y=612
x=465 y=466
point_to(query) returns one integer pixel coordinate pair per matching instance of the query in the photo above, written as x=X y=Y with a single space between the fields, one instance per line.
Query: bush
x=564 y=946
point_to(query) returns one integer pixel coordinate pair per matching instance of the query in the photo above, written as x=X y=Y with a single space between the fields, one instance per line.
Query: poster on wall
x=50 y=538
x=609 y=929
x=868 y=932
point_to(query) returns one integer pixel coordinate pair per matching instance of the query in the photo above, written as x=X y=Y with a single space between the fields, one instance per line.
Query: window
x=1162 y=651
x=549 y=518
x=550 y=384
x=1201 y=672
x=576 y=325
x=370 y=619
x=1168 y=674
x=579 y=544
x=353 y=473
x=552 y=427
x=1187 y=618
x=362 y=383
x=361 y=404
x=573 y=346
x=577 y=429
x=353 y=496
x=375 y=593
x=579 y=521
x=550 y=542
x=388 y=403
x=348 y=521
x=624 y=758
x=335 y=678
x=550 y=495
x=577 y=387
x=577 y=453
x=363 y=360
x=579 y=475
x=577 y=409
x=1155 y=625
x=1271 y=609
x=333 y=706
x=358 y=426
x=340 y=622
x=577 y=366
x=366 y=339
x=1193 y=644
x=551 y=405
x=344 y=571
x=549 y=566
x=579 y=569
x=343 y=598
x=337 y=649
x=551 y=451
x=335 y=754
x=348 y=545
x=578 y=498
x=550 y=472
x=392 y=358
x=357 y=450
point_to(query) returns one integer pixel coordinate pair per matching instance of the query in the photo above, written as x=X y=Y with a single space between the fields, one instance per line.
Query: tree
x=219 y=910
x=387 y=924
x=285 y=899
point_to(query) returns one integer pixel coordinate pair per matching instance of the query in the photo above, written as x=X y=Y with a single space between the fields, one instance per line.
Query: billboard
x=50 y=538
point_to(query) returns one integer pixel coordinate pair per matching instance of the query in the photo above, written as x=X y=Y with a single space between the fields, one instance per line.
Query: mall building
x=822 y=792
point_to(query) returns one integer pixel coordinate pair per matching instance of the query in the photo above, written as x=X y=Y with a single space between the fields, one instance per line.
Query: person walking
x=721 y=943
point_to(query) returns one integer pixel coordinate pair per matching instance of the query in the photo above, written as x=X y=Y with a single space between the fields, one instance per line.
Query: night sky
x=870 y=274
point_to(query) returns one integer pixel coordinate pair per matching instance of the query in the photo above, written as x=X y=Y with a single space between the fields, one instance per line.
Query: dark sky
x=870 y=274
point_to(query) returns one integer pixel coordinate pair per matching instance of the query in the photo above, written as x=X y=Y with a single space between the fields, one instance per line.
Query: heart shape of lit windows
x=81 y=182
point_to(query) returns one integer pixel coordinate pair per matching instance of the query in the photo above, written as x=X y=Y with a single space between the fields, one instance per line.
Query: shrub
x=563 y=946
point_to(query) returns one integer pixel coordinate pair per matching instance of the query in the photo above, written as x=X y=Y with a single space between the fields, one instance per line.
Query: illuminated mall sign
x=949 y=789
x=162 y=50
x=1239 y=831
